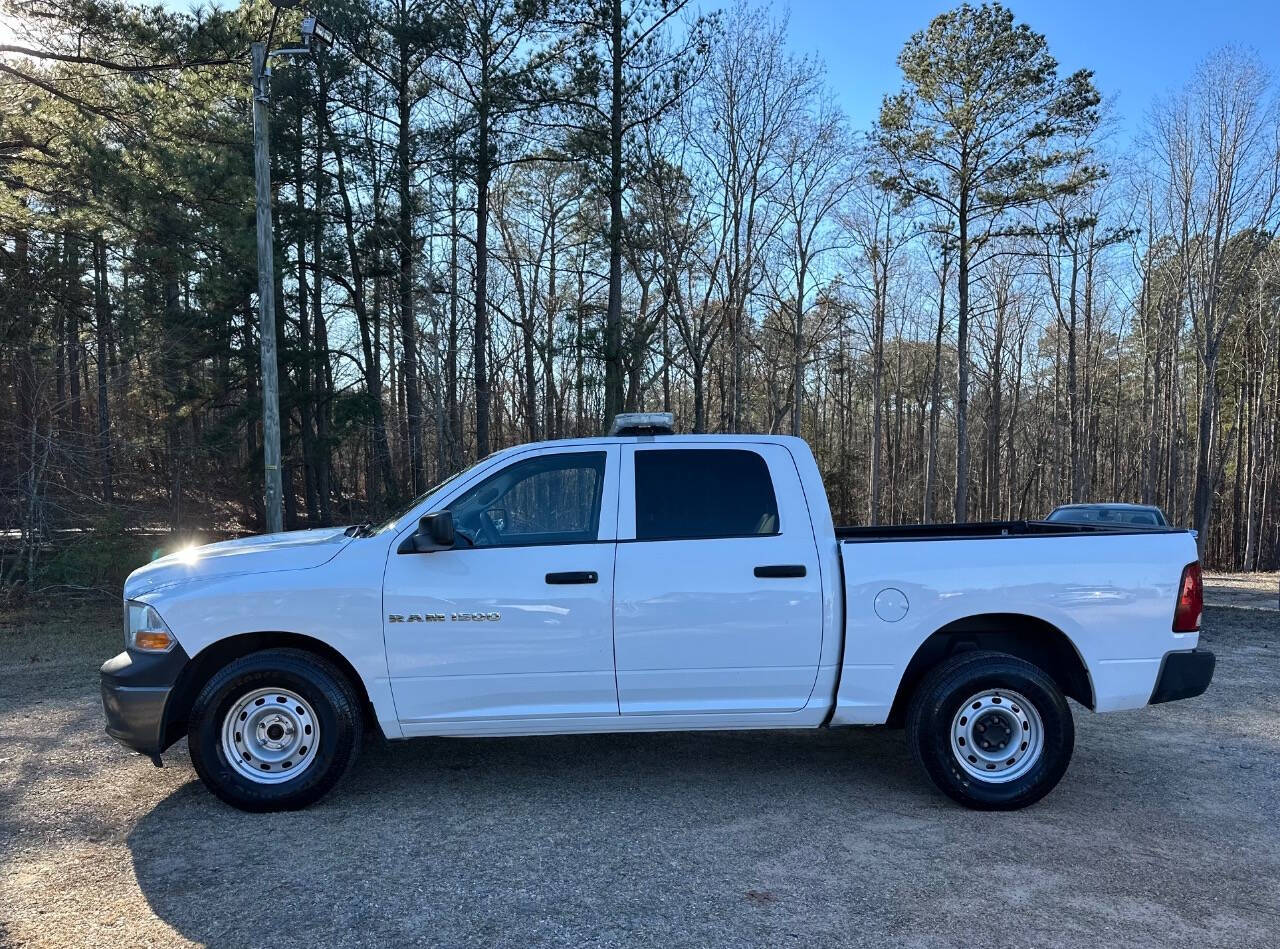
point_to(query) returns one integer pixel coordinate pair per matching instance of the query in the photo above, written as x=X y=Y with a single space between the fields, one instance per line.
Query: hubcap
x=997 y=736
x=270 y=735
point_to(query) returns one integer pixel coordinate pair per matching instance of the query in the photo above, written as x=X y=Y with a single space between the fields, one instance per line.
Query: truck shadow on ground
x=733 y=839
x=463 y=832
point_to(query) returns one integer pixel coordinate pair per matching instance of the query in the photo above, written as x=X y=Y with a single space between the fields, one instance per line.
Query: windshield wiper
x=357 y=530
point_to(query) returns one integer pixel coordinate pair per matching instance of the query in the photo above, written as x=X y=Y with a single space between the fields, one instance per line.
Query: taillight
x=1186 y=617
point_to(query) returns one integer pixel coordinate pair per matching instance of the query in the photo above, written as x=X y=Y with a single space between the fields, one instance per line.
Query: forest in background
x=505 y=220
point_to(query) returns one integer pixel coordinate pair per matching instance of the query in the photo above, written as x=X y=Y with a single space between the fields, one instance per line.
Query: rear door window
x=701 y=493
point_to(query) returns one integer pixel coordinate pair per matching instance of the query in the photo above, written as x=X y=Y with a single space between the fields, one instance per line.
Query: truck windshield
x=394 y=518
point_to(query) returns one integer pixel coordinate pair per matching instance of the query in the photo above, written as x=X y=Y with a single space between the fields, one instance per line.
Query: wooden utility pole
x=266 y=289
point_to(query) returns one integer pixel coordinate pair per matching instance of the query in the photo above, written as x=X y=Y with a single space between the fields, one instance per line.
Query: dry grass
x=61 y=633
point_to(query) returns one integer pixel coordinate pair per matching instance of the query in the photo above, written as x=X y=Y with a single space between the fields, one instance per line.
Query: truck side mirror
x=435 y=532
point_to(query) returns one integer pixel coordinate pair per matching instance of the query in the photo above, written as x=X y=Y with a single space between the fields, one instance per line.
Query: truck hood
x=291 y=550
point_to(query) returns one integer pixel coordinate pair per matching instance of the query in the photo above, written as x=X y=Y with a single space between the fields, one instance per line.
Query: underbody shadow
x=447 y=829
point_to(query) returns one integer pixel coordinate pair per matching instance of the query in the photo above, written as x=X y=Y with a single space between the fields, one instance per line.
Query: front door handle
x=781 y=570
x=573 y=576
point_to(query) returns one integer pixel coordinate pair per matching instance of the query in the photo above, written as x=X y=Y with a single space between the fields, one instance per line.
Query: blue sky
x=1139 y=49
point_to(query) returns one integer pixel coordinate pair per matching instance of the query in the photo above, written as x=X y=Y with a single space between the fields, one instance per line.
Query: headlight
x=145 y=630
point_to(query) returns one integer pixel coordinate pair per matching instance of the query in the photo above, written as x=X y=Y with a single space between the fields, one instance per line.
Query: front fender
x=338 y=603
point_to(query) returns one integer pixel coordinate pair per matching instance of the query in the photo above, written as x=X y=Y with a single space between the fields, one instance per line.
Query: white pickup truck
x=650 y=582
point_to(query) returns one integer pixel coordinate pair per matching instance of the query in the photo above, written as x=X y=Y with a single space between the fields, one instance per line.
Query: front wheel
x=275 y=730
x=991 y=731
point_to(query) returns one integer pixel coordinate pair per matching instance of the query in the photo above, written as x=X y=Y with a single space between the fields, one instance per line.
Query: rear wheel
x=275 y=730
x=991 y=731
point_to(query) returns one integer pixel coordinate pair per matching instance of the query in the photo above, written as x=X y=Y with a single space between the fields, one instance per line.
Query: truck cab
x=608 y=579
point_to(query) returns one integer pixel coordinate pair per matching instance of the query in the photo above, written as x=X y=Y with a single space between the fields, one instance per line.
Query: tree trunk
x=408 y=316
x=1075 y=424
x=548 y=351
x=530 y=371
x=962 y=364
x=880 y=282
x=102 y=317
x=797 y=352
x=72 y=326
x=699 y=395
x=322 y=367
x=613 y=393
x=1202 y=496
x=935 y=395
x=174 y=460
x=453 y=406
x=306 y=364
x=484 y=172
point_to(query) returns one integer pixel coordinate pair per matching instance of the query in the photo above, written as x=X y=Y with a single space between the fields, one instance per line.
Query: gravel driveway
x=1164 y=833
x=1259 y=591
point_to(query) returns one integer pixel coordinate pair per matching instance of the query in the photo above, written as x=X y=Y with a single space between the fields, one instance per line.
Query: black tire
x=337 y=710
x=939 y=700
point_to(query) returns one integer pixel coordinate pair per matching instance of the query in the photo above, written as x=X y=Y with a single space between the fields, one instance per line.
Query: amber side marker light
x=1186 y=616
x=152 y=640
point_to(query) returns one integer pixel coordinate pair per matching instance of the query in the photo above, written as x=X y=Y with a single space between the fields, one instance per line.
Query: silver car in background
x=1121 y=515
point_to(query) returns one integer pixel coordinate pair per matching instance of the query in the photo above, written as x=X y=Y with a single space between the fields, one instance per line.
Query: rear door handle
x=781 y=570
x=573 y=576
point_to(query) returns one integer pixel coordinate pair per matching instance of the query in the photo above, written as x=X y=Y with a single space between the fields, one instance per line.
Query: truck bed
x=975 y=530
x=1111 y=592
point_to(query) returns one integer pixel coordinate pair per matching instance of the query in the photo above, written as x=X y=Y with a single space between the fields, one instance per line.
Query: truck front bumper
x=1183 y=675
x=135 y=692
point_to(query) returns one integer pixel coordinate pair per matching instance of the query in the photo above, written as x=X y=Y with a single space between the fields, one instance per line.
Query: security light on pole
x=316 y=33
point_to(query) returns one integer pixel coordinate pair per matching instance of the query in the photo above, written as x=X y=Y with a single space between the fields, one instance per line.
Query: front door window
x=553 y=499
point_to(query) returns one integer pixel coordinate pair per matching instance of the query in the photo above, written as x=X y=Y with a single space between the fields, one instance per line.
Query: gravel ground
x=1259 y=591
x=1163 y=833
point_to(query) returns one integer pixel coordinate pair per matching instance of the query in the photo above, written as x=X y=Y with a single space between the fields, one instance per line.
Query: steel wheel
x=270 y=735
x=997 y=736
